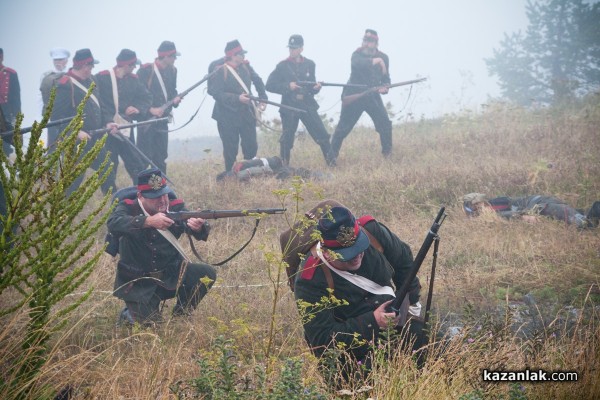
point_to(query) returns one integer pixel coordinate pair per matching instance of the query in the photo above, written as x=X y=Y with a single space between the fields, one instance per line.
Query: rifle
x=181 y=95
x=126 y=126
x=30 y=128
x=217 y=214
x=352 y=85
x=276 y=104
x=401 y=293
x=347 y=100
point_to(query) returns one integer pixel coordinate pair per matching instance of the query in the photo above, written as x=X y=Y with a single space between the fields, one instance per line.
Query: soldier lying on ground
x=529 y=207
x=266 y=167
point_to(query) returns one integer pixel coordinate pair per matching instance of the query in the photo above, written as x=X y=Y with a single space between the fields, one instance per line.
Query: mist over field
x=445 y=42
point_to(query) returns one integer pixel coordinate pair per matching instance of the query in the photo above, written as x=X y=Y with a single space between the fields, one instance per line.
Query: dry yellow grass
x=483 y=263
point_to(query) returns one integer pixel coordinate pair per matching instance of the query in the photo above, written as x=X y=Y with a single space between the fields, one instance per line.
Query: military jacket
x=226 y=90
x=289 y=70
x=340 y=323
x=363 y=72
x=147 y=259
x=69 y=96
x=10 y=96
x=131 y=92
x=147 y=76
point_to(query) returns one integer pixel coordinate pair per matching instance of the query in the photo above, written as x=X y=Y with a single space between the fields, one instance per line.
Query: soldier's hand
x=177 y=100
x=262 y=106
x=157 y=111
x=158 y=221
x=244 y=98
x=131 y=110
x=384 y=318
x=195 y=224
x=294 y=86
x=114 y=128
x=83 y=136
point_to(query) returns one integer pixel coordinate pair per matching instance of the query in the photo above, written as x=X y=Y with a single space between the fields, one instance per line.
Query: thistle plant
x=47 y=242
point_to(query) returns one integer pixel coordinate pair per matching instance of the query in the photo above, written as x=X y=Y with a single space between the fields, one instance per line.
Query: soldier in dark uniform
x=10 y=106
x=529 y=207
x=365 y=248
x=150 y=266
x=10 y=101
x=234 y=112
x=160 y=78
x=369 y=66
x=134 y=102
x=284 y=81
x=71 y=89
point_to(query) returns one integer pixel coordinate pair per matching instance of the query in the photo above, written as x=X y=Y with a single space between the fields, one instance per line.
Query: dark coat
x=226 y=90
x=148 y=78
x=10 y=96
x=147 y=259
x=343 y=321
x=131 y=93
x=69 y=96
x=363 y=72
x=288 y=71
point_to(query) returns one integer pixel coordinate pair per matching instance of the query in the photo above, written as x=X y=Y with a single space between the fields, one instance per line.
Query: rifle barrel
x=217 y=214
x=30 y=128
x=276 y=104
x=416 y=265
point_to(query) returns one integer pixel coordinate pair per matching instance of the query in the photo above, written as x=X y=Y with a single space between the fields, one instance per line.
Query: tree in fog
x=557 y=59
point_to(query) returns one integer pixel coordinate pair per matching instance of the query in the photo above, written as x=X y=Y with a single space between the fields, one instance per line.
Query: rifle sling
x=231 y=256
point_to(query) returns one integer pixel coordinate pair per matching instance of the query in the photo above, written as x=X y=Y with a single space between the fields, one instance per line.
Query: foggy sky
x=444 y=41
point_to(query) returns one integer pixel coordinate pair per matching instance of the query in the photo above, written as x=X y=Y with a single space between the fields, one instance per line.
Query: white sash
x=257 y=111
x=360 y=281
x=162 y=86
x=80 y=86
x=118 y=119
x=167 y=235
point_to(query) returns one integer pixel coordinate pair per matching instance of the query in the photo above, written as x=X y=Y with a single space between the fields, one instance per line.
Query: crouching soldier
x=152 y=265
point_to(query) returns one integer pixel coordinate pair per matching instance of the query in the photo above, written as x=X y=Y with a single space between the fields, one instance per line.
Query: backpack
x=128 y=193
x=297 y=241
x=48 y=82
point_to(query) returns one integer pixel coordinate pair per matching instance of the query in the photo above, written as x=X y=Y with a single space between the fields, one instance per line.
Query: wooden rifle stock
x=217 y=214
x=401 y=292
x=347 y=100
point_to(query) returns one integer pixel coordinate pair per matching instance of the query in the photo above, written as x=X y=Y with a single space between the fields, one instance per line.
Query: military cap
x=83 y=57
x=167 y=48
x=295 y=42
x=127 y=57
x=371 y=36
x=151 y=183
x=342 y=235
x=234 y=47
x=58 y=53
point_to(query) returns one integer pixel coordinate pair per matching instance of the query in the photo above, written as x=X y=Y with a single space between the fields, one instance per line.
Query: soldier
x=123 y=98
x=284 y=81
x=60 y=59
x=234 y=112
x=160 y=78
x=369 y=66
x=529 y=207
x=10 y=101
x=70 y=91
x=151 y=267
x=360 y=261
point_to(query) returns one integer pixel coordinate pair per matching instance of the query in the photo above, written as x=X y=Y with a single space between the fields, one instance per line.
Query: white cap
x=58 y=53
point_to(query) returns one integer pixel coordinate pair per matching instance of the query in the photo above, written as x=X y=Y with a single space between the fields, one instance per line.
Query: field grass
x=522 y=295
